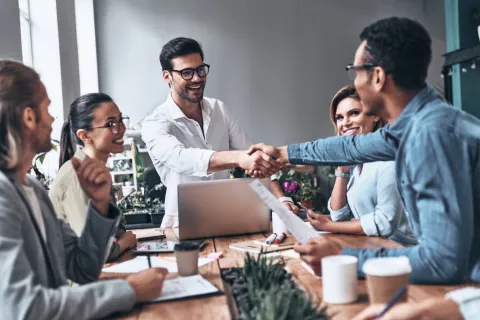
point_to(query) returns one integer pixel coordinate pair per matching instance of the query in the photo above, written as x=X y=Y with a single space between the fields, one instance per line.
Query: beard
x=184 y=92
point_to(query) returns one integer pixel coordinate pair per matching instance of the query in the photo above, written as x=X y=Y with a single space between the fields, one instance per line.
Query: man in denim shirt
x=436 y=149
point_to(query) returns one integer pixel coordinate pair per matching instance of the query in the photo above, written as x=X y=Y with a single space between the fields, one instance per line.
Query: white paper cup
x=385 y=276
x=277 y=224
x=339 y=276
x=186 y=254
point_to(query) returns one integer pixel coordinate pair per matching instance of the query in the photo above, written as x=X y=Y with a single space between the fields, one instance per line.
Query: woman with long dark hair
x=96 y=125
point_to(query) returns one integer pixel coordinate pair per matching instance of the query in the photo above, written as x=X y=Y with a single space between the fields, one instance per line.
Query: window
x=26 y=32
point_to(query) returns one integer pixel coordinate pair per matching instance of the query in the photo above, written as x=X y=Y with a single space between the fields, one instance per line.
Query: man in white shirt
x=191 y=138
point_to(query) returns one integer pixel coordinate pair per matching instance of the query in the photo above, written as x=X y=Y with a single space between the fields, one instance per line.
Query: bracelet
x=341 y=174
x=285 y=199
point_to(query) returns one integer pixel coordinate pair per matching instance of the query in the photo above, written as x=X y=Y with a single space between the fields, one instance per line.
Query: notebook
x=256 y=246
x=149 y=234
x=186 y=287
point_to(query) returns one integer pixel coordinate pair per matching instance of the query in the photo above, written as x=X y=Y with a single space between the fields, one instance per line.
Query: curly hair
x=402 y=47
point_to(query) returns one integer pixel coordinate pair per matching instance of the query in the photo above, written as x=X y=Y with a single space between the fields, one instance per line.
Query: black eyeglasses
x=188 y=73
x=352 y=69
x=114 y=126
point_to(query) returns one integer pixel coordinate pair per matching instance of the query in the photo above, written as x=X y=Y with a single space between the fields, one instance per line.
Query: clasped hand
x=265 y=161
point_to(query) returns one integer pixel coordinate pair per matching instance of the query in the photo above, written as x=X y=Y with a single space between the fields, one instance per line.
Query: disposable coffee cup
x=277 y=224
x=385 y=276
x=186 y=254
x=339 y=276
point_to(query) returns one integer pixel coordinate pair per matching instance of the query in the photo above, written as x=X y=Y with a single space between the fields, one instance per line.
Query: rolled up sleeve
x=342 y=214
x=166 y=150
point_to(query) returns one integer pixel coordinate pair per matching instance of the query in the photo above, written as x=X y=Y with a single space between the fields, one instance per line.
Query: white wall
x=276 y=64
x=10 y=40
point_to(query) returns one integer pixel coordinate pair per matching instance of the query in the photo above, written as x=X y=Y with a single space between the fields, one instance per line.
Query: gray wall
x=10 y=39
x=276 y=64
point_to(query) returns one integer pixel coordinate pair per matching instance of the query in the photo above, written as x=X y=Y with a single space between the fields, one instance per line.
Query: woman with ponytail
x=96 y=125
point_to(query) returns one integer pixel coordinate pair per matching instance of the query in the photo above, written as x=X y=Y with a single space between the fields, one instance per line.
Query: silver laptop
x=219 y=208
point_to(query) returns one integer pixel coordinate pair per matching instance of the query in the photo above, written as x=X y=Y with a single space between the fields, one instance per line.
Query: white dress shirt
x=181 y=153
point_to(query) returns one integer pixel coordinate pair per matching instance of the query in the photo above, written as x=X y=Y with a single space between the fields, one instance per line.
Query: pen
x=303 y=207
x=400 y=292
x=149 y=262
x=270 y=239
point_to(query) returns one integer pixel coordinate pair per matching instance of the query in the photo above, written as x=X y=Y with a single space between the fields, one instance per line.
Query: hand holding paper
x=302 y=232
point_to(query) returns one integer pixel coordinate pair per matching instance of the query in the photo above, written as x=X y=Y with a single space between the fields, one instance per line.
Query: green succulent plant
x=265 y=291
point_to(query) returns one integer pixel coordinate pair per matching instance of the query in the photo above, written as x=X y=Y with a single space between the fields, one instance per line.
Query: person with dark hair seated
x=436 y=149
x=193 y=138
x=39 y=252
x=96 y=125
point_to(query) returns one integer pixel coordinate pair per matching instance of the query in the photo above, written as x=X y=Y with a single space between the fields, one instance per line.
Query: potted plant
x=298 y=186
x=39 y=159
x=306 y=193
x=263 y=290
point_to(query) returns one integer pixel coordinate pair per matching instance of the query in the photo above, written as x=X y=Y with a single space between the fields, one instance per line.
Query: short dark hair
x=176 y=48
x=402 y=47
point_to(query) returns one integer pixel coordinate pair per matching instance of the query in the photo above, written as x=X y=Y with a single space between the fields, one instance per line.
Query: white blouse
x=373 y=198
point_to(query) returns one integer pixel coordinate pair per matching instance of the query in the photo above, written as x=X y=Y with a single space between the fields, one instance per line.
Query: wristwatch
x=341 y=174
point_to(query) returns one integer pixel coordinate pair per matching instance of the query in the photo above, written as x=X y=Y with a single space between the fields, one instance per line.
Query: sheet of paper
x=184 y=287
x=318 y=232
x=296 y=225
x=140 y=263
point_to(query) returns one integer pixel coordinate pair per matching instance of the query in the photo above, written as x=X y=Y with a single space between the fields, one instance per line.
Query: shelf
x=462 y=55
x=122 y=172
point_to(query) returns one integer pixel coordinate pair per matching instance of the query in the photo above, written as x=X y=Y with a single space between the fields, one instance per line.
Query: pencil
x=149 y=262
x=399 y=294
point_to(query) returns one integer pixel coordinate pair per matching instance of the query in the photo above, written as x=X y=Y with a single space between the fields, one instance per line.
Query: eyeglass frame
x=194 y=70
x=364 y=66
x=110 y=126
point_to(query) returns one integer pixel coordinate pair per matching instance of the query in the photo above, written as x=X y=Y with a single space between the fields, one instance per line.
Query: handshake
x=262 y=160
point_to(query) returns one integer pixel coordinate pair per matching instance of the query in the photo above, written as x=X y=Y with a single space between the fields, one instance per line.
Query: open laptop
x=219 y=208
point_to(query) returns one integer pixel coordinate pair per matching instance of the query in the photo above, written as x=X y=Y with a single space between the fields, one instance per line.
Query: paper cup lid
x=384 y=267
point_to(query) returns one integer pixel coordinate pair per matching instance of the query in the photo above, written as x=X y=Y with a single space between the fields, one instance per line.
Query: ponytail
x=66 y=144
x=80 y=116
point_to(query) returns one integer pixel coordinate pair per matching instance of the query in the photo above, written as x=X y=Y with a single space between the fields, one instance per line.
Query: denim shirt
x=436 y=149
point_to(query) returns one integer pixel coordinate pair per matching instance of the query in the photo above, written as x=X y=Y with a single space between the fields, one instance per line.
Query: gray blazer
x=33 y=278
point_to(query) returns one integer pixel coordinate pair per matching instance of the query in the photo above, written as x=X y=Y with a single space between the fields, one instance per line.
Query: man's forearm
x=224 y=160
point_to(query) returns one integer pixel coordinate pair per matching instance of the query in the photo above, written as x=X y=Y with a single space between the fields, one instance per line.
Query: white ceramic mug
x=339 y=276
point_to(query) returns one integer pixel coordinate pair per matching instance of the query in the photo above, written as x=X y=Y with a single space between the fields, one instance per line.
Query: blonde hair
x=342 y=94
x=18 y=90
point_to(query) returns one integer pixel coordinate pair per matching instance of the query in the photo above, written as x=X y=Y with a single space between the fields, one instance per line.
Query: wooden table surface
x=217 y=307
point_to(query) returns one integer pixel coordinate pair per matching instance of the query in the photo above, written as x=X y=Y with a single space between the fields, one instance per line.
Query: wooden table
x=217 y=307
